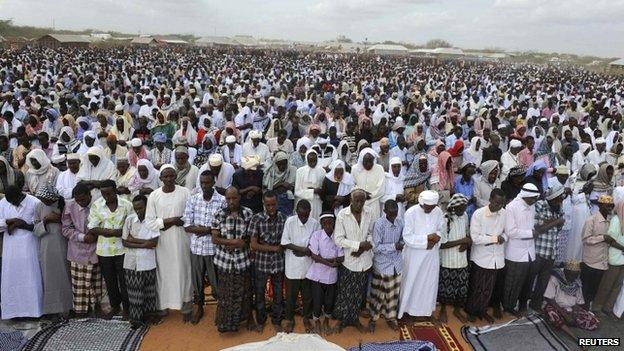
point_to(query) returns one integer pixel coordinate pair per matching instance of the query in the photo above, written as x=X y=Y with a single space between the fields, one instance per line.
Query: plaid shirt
x=268 y=231
x=199 y=212
x=230 y=259
x=546 y=243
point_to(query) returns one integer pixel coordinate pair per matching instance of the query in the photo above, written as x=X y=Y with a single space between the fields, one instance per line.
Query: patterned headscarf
x=48 y=192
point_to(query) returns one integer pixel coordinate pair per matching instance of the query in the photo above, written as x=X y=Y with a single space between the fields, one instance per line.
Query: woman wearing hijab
x=603 y=184
x=416 y=180
x=94 y=169
x=280 y=178
x=309 y=182
x=457 y=153
x=125 y=174
x=536 y=174
x=345 y=155
x=336 y=188
x=122 y=130
x=297 y=158
x=474 y=154
x=83 y=125
x=66 y=144
x=443 y=178
x=488 y=181
x=207 y=147
x=230 y=129
x=9 y=176
x=580 y=157
x=89 y=140
x=525 y=156
x=145 y=179
x=581 y=210
x=546 y=153
x=394 y=185
x=185 y=132
x=57 y=287
x=40 y=170
x=162 y=125
x=370 y=176
x=436 y=132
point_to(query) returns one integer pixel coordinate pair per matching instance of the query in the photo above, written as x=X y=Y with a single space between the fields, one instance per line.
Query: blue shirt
x=386 y=235
x=466 y=189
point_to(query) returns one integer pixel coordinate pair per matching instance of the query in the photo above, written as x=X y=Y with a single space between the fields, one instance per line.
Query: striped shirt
x=387 y=259
x=458 y=229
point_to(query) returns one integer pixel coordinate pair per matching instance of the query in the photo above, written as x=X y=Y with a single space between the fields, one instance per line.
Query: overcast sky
x=575 y=26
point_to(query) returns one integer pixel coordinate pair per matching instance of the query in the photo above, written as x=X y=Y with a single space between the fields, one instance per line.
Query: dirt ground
x=173 y=334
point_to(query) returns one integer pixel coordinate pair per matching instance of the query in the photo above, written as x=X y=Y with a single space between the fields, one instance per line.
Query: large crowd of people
x=333 y=186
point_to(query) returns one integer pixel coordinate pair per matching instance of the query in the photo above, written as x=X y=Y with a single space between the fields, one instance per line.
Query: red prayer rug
x=442 y=337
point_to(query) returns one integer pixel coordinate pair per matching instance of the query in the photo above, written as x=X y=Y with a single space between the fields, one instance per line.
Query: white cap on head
x=395 y=161
x=118 y=108
x=601 y=141
x=136 y=142
x=230 y=139
x=515 y=143
x=215 y=160
x=428 y=197
x=529 y=190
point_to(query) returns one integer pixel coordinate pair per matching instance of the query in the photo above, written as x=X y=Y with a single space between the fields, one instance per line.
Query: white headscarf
x=43 y=160
x=152 y=177
x=105 y=169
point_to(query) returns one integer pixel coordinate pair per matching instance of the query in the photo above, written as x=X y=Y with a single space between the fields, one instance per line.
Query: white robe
x=173 y=254
x=581 y=210
x=22 y=286
x=309 y=178
x=421 y=267
x=65 y=183
x=373 y=182
x=393 y=187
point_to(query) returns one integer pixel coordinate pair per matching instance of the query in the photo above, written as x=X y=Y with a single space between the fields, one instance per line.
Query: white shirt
x=348 y=235
x=519 y=225
x=297 y=233
x=262 y=151
x=509 y=161
x=485 y=227
x=138 y=259
x=65 y=183
x=594 y=157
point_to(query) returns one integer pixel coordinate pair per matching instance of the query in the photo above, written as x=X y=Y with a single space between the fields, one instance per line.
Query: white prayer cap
x=515 y=143
x=322 y=140
x=230 y=139
x=196 y=99
x=215 y=160
x=529 y=190
x=58 y=159
x=250 y=162
x=255 y=134
x=601 y=141
x=554 y=192
x=165 y=166
x=118 y=108
x=73 y=157
x=543 y=119
x=470 y=118
x=395 y=161
x=136 y=142
x=428 y=197
x=502 y=125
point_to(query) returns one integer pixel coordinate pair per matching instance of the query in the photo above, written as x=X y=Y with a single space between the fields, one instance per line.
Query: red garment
x=133 y=158
x=457 y=148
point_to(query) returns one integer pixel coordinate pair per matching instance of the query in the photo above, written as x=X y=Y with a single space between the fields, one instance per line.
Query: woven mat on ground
x=527 y=333
x=406 y=345
x=442 y=337
x=607 y=328
x=11 y=340
x=87 y=335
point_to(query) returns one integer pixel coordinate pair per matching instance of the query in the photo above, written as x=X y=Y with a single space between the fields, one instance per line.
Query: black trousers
x=277 y=281
x=539 y=275
x=114 y=276
x=202 y=266
x=293 y=287
x=516 y=284
x=590 y=279
x=323 y=298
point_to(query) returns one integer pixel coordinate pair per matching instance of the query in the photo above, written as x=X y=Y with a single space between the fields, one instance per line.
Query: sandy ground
x=173 y=334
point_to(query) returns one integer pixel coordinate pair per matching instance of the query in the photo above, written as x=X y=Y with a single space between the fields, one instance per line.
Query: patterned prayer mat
x=527 y=333
x=442 y=337
x=11 y=340
x=411 y=345
x=88 y=335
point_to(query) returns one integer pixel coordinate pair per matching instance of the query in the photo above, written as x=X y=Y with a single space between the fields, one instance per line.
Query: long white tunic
x=22 y=288
x=421 y=267
x=393 y=187
x=173 y=254
x=305 y=179
x=371 y=181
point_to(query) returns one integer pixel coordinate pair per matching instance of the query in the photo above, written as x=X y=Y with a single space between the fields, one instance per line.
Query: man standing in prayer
x=295 y=239
x=509 y=159
x=221 y=172
x=85 y=271
x=354 y=234
x=67 y=180
x=266 y=230
x=387 y=266
x=199 y=212
x=599 y=155
x=370 y=177
x=106 y=219
x=230 y=236
x=421 y=256
x=187 y=173
x=487 y=254
x=256 y=148
x=22 y=288
x=596 y=241
x=547 y=215
x=165 y=208
x=140 y=265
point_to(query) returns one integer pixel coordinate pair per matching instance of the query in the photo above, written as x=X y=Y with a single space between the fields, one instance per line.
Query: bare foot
x=459 y=315
x=488 y=318
x=360 y=327
x=259 y=328
x=307 y=325
x=392 y=324
x=498 y=314
x=371 y=326
x=277 y=328
x=317 y=327
x=290 y=325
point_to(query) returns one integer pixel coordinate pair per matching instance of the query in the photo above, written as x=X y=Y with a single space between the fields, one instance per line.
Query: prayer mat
x=442 y=337
x=405 y=345
x=527 y=333
x=11 y=340
x=87 y=334
x=608 y=327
